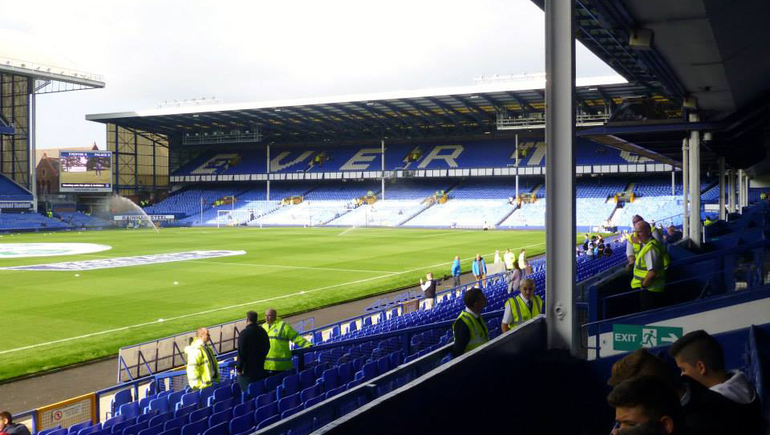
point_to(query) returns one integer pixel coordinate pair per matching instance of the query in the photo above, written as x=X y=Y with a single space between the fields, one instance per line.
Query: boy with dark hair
x=700 y=356
x=646 y=402
x=9 y=427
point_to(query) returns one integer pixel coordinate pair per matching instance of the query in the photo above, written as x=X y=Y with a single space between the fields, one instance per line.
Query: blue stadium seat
x=135 y=428
x=242 y=424
x=176 y=422
x=220 y=429
x=223 y=405
x=49 y=430
x=289 y=402
x=314 y=401
x=255 y=389
x=335 y=391
x=220 y=394
x=195 y=427
x=120 y=398
x=264 y=399
x=129 y=410
x=152 y=430
x=159 y=419
x=265 y=412
x=159 y=404
x=172 y=431
x=247 y=407
x=330 y=379
x=267 y=422
x=118 y=427
x=219 y=417
x=187 y=399
x=201 y=414
x=111 y=421
x=289 y=386
x=311 y=392
x=76 y=428
x=185 y=411
x=289 y=412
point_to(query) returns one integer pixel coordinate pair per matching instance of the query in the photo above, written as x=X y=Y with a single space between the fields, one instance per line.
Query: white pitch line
x=213 y=310
x=281 y=266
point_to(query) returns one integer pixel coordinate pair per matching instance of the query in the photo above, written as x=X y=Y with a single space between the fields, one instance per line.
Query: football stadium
x=521 y=248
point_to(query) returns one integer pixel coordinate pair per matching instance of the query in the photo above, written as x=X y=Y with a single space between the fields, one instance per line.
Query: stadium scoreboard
x=85 y=171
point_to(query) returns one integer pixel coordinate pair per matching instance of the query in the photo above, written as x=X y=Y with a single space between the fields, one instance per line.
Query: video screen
x=85 y=171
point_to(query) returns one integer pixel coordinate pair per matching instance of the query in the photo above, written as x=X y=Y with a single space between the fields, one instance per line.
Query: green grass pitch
x=330 y=265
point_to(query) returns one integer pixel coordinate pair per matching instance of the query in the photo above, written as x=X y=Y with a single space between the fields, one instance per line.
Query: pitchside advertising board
x=85 y=171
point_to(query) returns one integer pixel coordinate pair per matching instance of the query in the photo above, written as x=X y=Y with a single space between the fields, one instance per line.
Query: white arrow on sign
x=670 y=339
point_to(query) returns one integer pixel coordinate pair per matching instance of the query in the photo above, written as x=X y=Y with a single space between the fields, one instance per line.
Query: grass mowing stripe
x=40 y=308
x=281 y=266
x=302 y=292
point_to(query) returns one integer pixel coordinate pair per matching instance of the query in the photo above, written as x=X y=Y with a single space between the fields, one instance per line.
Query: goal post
x=234 y=218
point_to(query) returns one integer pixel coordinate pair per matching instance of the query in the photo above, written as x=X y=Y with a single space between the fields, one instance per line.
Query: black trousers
x=650 y=300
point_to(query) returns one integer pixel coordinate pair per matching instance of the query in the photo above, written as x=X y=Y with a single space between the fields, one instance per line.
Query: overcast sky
x=151 y=51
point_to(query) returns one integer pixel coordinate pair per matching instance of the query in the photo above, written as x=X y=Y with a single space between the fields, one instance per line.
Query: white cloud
x=151 y=51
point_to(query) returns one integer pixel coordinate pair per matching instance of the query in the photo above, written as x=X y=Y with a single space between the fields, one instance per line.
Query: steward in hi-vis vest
x=470 y=330
x=657 y=284
x=202 y=365
x=522 y=307
x=280 y=334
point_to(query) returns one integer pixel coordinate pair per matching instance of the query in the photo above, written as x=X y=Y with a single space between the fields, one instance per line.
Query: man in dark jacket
x=8 y=426
x=253 y=346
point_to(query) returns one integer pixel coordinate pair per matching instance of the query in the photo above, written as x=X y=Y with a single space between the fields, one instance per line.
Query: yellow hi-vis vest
x=279 y=356
x=640 y=267
x=202 y=365
x=520 y=312
x=636 y=244
x=477 y=327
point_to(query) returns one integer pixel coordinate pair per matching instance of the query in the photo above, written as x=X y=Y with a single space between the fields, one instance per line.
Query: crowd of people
x=263 y=350
x=649 y=396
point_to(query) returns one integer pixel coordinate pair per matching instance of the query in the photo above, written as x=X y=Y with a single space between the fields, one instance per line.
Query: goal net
x=234 y=218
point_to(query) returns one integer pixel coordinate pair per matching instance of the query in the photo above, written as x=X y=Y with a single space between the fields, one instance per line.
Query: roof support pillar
x=267 y=190
x=696 y=229
x=731 y=190
x=722 y=214
x=560 y=173
x=32 y=138
x=382 y=144
x=685 y=189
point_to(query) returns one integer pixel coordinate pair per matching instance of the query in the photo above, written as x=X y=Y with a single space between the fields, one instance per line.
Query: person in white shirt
x=497 y=256
x=509 y=258
x=429 y=291
x=523 y=260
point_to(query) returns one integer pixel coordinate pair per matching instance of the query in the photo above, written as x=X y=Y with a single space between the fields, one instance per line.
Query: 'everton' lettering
x=362 y=160
x=634 y=158
x=276 y=165
x=537 y=151
x=214 y=164
x=449 y=159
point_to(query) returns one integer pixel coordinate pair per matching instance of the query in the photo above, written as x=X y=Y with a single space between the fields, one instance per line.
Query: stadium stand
x=81 y=220
x=10 y=191
x=454 y=155
x=29 y=221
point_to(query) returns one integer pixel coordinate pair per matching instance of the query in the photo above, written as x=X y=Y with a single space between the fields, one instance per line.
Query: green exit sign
x=632 y=337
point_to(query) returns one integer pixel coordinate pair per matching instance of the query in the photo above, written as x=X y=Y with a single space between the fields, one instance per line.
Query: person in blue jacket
x=456 y=270
x=479 y=268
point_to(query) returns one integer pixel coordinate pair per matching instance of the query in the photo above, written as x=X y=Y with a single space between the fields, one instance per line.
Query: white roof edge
x=524 y=85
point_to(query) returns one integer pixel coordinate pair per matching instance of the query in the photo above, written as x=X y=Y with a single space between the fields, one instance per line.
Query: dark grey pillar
x=560 y=173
